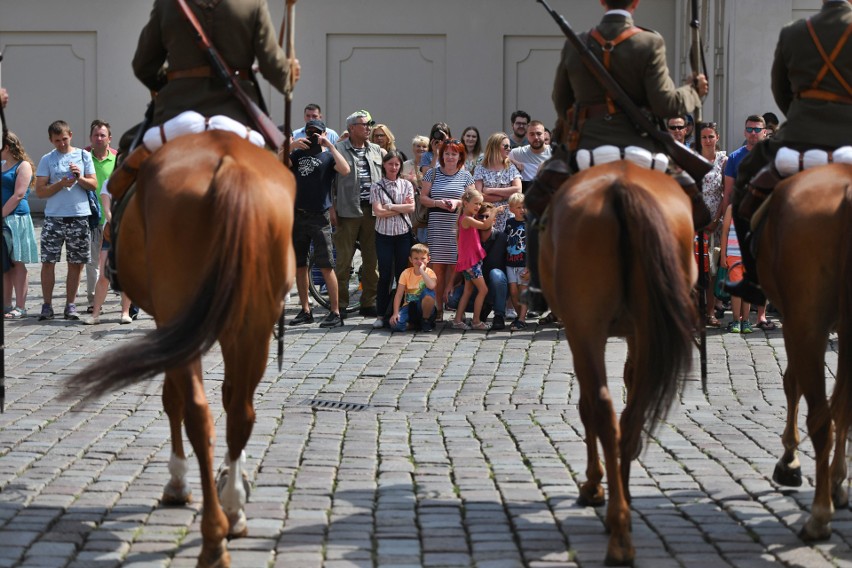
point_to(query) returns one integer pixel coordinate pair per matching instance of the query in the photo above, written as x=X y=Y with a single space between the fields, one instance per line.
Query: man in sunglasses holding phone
x=811 y=77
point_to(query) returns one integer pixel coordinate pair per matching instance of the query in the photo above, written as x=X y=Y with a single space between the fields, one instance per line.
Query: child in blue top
x=516 y=252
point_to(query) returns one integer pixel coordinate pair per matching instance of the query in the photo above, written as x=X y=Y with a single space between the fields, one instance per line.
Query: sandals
x=15 y=313
x=460 y=325
x=481 y=326
x=518 y=325
x=711 y=321
x=765 y=325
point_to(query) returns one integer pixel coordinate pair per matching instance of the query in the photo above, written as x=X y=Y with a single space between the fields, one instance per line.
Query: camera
x=314 y=139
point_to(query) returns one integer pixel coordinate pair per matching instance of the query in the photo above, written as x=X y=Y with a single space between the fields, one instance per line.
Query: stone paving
x=468 y=453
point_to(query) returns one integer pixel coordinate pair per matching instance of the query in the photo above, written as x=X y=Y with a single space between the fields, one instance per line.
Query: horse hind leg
x=201 y=434
x=788 y=470
x=839 y=493
x=177 y=491
x=245 y=362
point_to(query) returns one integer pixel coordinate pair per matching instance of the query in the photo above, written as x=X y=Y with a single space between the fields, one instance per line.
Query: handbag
x=421 y=212
x=404 y=217
x=719 y=284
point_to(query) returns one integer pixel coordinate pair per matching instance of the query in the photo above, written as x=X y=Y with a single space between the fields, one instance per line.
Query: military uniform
x=241 y=30
x=638 y=64
x=818 y=107
x=813 y=121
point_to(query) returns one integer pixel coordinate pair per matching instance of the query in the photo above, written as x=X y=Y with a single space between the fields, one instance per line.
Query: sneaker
x=498 y=322
x=379 y=323
x=302 y=317
x=125 y=319
x=511 y=314
x=745 y=327
x=332 y=320
x=734 y=327
x=91 y=320
x=70 y=312
x=134 y=311
x=46 y=312
x=427 y=326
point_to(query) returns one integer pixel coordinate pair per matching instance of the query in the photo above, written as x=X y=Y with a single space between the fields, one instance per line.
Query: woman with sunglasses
x=443 y=187
x=496 y=177
x=440 y=132
x=384 y=138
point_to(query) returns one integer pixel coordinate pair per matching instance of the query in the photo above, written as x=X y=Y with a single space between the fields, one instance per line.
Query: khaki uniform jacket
x=241 y=30
x=346 y=191
x=813 y=122
x=638 y=64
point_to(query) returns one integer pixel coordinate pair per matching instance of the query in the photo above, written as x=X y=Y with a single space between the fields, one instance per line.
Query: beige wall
x=409 y=63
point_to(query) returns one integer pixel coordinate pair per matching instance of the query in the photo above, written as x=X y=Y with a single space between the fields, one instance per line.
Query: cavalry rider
x=636 y=59
x=241 y=31
x=812 y=85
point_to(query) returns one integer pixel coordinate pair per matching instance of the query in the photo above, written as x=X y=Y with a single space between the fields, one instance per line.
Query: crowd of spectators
x=376 y=204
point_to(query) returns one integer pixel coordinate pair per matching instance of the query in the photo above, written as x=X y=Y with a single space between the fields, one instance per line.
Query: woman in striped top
x=392 y=199
x=443 y=187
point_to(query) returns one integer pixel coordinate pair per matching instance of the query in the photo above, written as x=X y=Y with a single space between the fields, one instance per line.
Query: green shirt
x=103 y=169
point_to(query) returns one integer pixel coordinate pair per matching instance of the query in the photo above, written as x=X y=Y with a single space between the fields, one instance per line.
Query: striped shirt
x=399 y=190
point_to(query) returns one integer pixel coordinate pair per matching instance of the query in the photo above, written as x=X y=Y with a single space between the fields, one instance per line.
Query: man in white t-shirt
x=528 y=158
x=63 y=177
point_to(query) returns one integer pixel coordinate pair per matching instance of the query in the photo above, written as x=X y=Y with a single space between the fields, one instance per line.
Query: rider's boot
x=125 y=173
x=758 y=189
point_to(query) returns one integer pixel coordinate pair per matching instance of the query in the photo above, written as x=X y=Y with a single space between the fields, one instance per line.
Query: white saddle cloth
x=789 y=161
x=606 y=154
x=190 y=122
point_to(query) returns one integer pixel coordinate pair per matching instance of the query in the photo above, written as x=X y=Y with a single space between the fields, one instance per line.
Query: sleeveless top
x=8 y=190
x=470 y=249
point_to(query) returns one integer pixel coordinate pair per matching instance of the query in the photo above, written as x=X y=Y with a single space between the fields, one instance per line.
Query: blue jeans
x=498 y=290
x=392 y=253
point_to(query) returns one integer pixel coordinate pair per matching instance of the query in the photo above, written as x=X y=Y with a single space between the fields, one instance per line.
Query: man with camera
x=63 y=177
x=315 y=162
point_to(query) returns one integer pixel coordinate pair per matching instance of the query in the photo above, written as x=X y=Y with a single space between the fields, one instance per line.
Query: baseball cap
x=315 y=125
x=360 y=114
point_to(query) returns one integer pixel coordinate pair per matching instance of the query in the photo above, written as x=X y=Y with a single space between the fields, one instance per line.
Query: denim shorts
x=513 y=275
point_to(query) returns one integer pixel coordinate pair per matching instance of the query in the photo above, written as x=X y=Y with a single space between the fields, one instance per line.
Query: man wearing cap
x=352 y=213
x=315 y=168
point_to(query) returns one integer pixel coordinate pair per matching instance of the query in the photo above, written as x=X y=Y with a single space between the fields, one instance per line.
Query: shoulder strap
x=828 y=60
x=404 y=216
x=607 y=46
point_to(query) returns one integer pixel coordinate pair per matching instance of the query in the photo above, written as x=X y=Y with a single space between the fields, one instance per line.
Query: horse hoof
x=215 y=557
x=787 y=476
x=176 y=496
x=813 y=532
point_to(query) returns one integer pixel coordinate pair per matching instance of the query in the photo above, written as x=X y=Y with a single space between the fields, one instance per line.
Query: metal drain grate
x=317 y=404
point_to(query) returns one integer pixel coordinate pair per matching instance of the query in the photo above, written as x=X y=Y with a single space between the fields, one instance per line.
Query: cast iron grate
x=317 y=404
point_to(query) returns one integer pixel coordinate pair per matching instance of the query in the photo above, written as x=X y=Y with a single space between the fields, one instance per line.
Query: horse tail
x=658 y=295
x=238 y=273
x=841 y=400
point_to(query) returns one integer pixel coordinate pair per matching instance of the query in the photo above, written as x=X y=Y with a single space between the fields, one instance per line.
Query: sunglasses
x=677 y=127
x=368 y=124
x=453 y=141
x=506 y=146
x=754 y=129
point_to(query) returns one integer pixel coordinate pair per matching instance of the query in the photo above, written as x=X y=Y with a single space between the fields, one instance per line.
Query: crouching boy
x=416 y=285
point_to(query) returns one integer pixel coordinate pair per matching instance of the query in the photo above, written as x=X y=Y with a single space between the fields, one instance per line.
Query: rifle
x=261 y=120
x=693 y=164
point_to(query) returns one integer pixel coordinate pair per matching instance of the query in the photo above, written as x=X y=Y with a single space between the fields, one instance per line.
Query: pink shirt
x=470 y=249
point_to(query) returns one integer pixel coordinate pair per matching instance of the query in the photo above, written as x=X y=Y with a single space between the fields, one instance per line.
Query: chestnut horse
x=804 y=262
x=616 y=260
x=205 y=248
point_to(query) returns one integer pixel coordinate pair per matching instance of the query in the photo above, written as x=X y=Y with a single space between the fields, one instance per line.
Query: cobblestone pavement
x=468 y=453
